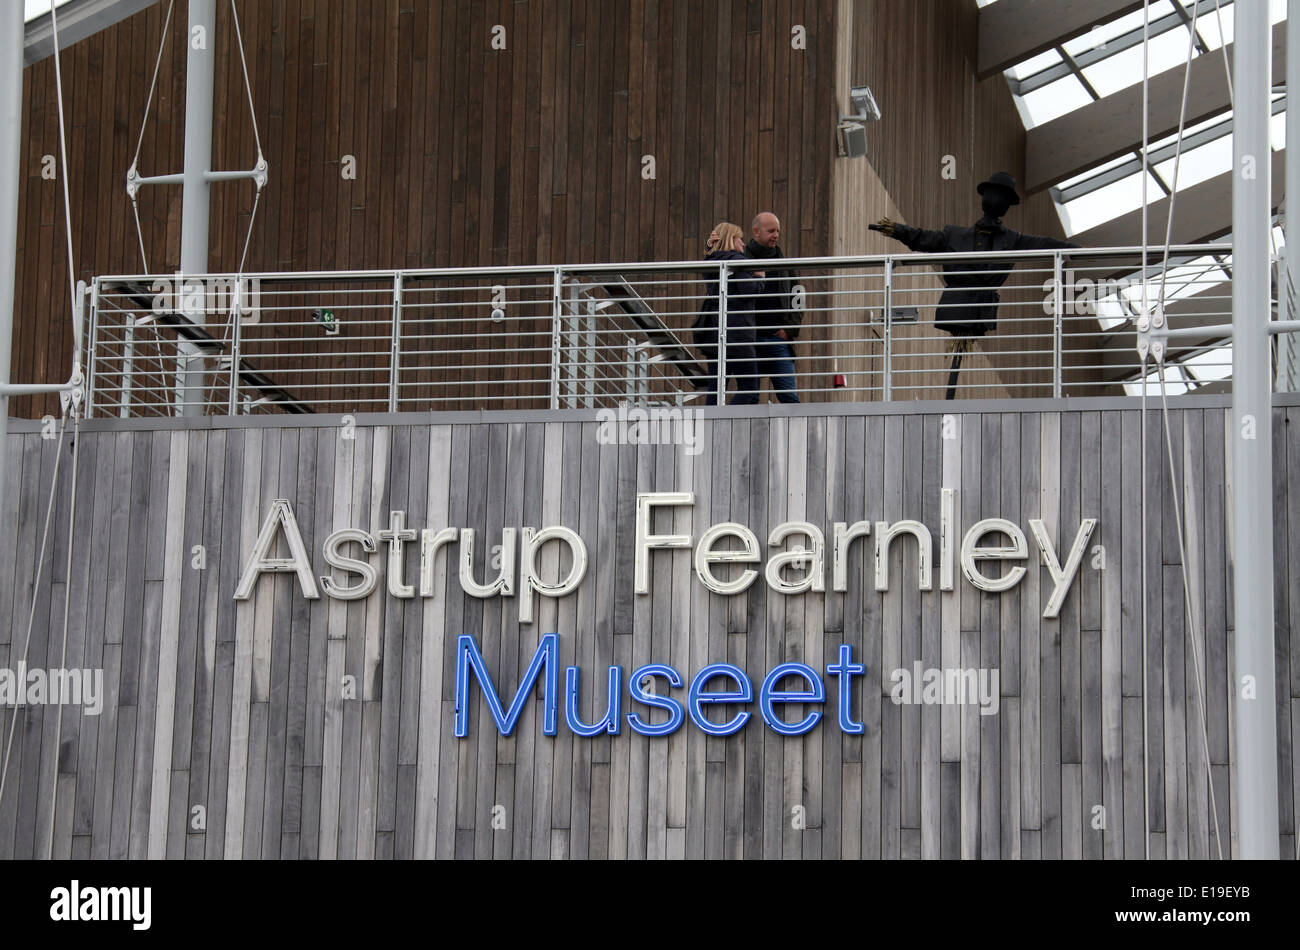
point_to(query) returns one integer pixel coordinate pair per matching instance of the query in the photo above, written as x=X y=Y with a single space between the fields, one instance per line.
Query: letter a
x=281 y=514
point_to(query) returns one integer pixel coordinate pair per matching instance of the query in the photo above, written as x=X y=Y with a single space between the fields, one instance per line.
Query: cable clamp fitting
x=1152 y=335
x=75 y=394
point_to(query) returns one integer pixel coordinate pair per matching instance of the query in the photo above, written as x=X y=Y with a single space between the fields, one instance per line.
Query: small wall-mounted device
x=852 y=128
x=896 y=314
x=853 y=140
x=327 y=320
x=864 y=105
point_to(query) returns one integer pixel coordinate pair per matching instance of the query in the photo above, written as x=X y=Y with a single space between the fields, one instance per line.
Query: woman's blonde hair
x=727 y=234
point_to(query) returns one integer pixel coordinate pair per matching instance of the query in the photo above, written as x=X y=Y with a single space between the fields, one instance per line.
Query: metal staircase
x=592 y=367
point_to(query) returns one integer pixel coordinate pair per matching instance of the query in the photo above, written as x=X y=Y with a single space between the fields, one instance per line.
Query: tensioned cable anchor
x=1152 y=335
x=75 y=396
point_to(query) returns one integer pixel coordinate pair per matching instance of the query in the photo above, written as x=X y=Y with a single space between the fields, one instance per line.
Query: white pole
x=195 y=187
x=1252 y=438
x=11 y=114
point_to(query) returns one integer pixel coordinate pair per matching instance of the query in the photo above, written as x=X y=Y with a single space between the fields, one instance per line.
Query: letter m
x=116 y=903
x=468 y=656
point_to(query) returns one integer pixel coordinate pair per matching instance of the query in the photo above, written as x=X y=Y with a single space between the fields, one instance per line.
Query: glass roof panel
x=1199 y=164
x=1097 y=169
x=1109 y=202
x=1124 y=68
x=1043 y=105
x=35 y=8
x=1103 y=33
x=1207 y=25
x=1034 y=64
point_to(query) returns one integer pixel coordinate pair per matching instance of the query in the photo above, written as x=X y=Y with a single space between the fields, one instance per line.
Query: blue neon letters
x=769 y=695
x=742 y=694
x=467 y=655
x=675 y=714
x=641 y=689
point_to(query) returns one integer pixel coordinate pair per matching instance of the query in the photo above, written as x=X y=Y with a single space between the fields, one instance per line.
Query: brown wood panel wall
x=464 y=155
x=241 y=706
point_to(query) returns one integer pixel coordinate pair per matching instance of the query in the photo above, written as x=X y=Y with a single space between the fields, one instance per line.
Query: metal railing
x=596 y=336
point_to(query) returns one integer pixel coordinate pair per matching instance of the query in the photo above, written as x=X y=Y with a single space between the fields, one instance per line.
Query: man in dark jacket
x=776 y=322
x=969 y=304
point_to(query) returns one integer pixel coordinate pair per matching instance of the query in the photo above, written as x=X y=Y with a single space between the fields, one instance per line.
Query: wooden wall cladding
x=463 y=154
x=238 y=706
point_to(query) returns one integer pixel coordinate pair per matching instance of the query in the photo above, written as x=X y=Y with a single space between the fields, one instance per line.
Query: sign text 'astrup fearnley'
x=797 y=562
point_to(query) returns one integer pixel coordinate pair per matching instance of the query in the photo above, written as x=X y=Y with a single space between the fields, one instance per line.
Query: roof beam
x=1203 y=212
x=1158 y=156
x=1014 y=30
x=1112 y=126
x=78 y=19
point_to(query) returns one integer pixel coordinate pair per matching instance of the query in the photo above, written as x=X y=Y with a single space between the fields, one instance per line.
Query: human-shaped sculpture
x=968 y=308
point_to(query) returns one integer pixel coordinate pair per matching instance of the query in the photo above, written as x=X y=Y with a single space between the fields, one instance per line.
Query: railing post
x=395 y=349
x=568 y=349
x=237 y=319
x=631 y=371
x=78 y=338
x=128 y=367
x=1057 y=295
x=589 y=354
x=722 y=334
x=888 y=380
x=557 y=306
x=90 y=347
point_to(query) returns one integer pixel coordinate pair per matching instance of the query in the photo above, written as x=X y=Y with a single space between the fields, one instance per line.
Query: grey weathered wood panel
x=241 y=707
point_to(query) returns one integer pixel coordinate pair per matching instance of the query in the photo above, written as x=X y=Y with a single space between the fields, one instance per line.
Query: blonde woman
x=727 y=243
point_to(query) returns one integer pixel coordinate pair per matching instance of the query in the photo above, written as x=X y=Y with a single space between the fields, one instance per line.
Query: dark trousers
x=739 y=366
x=774 y=358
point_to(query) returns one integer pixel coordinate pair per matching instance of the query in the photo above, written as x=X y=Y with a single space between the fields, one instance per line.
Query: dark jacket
x=741 y=288
x=969 y=305
x=772 y=308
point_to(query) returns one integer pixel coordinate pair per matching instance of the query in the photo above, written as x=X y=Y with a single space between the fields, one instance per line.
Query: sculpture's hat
x=1002 y=180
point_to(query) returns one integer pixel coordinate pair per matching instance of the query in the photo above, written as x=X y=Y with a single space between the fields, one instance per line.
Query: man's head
x=766 y=229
